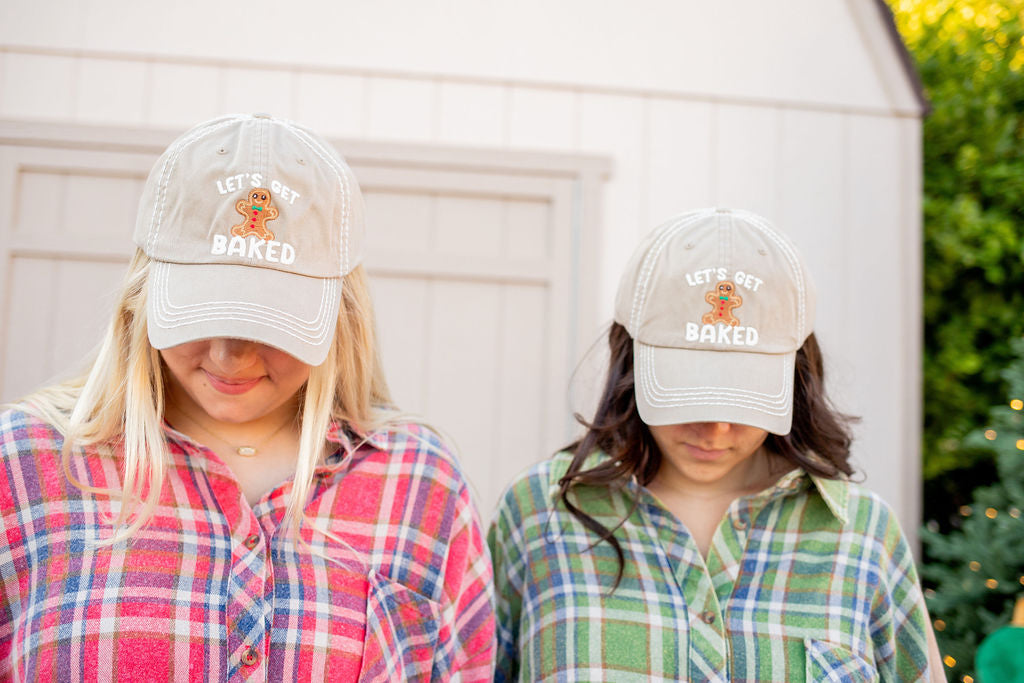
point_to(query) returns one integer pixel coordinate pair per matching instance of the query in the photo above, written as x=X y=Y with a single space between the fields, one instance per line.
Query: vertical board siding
x=680 y=157
x=521 y=422
x=37 y=207
x=878 y=317
x=812 y=211
x=255 y=90
x=39 y=86
x=543 y=119
x=472 y=114
x=526 y=237
x=77 y=300
x=181 y=95
x=83 y=300
x=399 y=220
x=28 y=341
x=112 y=91
x=469 y=226
x=747 y=158
x=402 y=329
x=331 y=104
x=116 y=196
x=614 y=125
x=462 y=337
x=401 y=109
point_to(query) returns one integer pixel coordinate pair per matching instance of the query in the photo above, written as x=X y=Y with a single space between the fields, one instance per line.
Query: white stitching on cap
x=172 y=159
x=659 y=397
x=794 y=264
x=316 y=330
x=646 y=270
x=648 y=366
x=172 y=310
x=640 y=295
x=340 y=172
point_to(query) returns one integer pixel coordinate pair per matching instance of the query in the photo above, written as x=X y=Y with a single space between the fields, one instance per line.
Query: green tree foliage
x=970 y=57
x=978 y=572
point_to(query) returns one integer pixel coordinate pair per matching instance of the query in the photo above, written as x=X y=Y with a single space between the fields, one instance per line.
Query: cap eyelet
x=762 y=251
x=222 y=150
x=690 y=245
x=301 y=161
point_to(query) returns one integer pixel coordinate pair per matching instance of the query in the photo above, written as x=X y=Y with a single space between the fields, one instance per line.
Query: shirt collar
x=836 y=495
x=833 y=491
x=350 y=438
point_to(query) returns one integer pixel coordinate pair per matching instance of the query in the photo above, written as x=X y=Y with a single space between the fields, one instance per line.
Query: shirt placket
x=728 y=546
x=248 y=605
x=705 y=647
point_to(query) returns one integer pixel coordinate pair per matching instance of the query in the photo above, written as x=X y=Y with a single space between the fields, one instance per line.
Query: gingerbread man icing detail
x=723 y=301
x=257 y=210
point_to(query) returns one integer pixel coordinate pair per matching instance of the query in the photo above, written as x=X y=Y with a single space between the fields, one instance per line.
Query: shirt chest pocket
x=831 y=662
x=401 y=632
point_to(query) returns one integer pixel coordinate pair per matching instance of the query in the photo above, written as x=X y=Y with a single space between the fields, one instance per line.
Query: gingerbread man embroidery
x=257 y=211
x=723 y=301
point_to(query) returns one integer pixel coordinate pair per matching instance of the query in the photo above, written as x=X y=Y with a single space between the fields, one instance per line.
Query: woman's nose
x=711 y=430
x=227 y=351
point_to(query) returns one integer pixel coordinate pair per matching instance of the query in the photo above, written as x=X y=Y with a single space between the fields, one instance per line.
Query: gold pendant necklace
x=246 y=451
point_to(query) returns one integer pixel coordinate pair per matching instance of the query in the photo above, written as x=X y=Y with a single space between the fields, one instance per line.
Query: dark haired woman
x=703 y=528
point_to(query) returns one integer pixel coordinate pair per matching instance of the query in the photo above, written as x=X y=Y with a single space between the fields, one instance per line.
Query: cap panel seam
x=342 y=176
x=725 y=224
x=158 y=207
x=794 y=264
x=647 y=268
x=263 y=160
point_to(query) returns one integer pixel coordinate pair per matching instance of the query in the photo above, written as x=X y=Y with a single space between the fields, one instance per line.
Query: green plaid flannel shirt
x=810 y=579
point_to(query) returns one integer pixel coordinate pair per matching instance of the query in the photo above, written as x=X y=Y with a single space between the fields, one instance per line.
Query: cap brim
x=294 y=313
x=676 y=386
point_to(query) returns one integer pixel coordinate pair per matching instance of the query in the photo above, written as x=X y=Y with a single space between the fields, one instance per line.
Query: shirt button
x=739 y=524
x=708 y=617
x=250 y=656
x=251 y=541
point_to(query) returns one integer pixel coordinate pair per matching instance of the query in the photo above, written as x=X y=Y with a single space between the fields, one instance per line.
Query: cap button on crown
x=261 y=115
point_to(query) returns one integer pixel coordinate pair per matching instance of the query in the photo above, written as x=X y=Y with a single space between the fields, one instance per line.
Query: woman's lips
x=698 y=453
x=231 y=386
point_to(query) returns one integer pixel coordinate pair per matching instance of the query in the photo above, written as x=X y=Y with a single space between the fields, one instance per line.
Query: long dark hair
x=819 y=441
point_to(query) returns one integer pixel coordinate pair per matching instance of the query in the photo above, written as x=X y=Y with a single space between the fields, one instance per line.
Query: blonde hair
x=119 y=401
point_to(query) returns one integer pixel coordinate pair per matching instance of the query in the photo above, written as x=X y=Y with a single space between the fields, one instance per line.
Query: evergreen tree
x=978 y=570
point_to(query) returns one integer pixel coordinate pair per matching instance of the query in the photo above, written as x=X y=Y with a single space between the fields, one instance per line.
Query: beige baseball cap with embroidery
x=717 y=301
x=251 y=222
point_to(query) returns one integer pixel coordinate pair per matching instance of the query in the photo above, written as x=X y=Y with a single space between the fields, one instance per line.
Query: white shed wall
x=797 y=109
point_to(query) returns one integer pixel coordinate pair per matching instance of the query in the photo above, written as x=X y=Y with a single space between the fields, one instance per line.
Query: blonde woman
x=227 y=493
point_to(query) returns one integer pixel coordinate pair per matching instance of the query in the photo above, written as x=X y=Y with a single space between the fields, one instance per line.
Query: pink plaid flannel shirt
x=213 y=589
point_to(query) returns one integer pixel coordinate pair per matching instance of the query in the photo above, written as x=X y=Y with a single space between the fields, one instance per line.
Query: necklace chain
x=246 y=451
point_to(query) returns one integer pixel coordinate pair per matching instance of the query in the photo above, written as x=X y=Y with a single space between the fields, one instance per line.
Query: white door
x=476 y=258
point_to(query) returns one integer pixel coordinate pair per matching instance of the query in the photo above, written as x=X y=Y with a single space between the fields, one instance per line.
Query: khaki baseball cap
x=717 y=301
x=251 y=222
